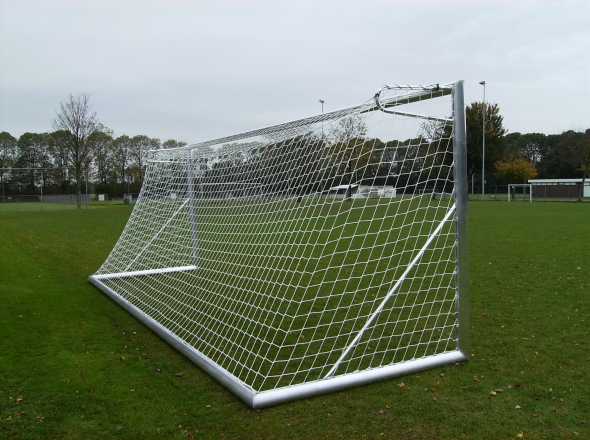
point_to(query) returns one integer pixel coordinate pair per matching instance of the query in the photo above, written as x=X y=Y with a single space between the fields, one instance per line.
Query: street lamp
x=322 y=102
x=483 y=157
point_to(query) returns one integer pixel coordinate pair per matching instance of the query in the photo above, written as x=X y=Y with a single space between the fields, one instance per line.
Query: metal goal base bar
x=278 y=396
x=142 y=272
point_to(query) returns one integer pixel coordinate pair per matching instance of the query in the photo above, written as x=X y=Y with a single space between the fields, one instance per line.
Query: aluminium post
x=461 y=183
x=483 y=156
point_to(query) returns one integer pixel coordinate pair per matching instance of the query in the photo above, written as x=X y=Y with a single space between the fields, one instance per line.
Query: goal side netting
x=311 y=256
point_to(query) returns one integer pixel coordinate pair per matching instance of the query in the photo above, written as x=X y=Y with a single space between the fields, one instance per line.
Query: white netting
x=304 y=251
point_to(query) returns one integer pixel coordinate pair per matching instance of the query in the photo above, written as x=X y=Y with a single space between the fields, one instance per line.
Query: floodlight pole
x=483 y=157
x=321 y=101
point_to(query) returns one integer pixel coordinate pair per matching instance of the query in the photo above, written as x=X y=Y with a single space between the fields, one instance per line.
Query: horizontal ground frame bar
x=258 y=400
x=142 y=272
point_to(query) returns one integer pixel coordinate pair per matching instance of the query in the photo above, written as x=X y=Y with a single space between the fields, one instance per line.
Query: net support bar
x=282 y=395
x=192 y=209
x=156 y=235
x=391 y=292
x=142 y=272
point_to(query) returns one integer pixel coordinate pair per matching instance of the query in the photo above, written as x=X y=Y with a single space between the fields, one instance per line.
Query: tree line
x=81 y=151
x=517 y=157
x=316 y=162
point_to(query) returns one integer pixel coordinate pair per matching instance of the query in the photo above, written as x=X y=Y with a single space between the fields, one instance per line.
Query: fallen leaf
x=520 y=435
x=492 y=393
x=442 y=374
x=475 y=378
x=401 y=384
x=207 y=406
x=388 y=406
x=122 y=358
x=517 y=407
x=179 y=374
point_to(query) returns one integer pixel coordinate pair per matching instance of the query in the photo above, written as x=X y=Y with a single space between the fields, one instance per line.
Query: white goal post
x=254 y=256
x=513 y=195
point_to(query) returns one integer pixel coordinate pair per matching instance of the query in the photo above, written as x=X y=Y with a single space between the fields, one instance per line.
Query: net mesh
x=304 y=251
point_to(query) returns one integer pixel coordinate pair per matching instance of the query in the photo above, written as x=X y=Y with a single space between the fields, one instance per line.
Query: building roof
x=336 y=188
x=537 y=181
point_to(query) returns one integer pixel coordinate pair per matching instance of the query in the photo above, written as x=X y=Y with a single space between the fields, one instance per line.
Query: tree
x=102 y=141
x=580 y=156
x=120 y=160
x=437 y=157
x=59 y=153
x=171 y=143
x=495 y=141
x=7 y=156
x=350 y=153
x=532 y=146
x=515 y=170
x=138 y=149
x=556 y=161
x=76 y=119
x=32 y=153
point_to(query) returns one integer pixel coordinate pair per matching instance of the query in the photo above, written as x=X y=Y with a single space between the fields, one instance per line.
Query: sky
x=199 y=70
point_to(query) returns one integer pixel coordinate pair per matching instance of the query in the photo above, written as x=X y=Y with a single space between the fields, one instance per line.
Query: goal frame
x=520 y=185
x=330 y=383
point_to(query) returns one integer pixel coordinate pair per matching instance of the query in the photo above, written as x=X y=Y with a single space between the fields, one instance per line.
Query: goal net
x=310 y=256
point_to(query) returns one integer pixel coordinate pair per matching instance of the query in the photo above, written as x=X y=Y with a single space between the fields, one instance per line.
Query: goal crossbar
x=416 y=94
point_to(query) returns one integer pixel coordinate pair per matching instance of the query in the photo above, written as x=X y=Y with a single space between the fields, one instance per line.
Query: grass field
x=13 y=206
x=73 y=364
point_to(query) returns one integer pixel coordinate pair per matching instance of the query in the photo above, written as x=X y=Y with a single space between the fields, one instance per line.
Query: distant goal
x=311 y=256
x=520 y=192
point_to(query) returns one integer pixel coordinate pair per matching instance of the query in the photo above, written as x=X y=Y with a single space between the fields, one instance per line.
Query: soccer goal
x=520 y=192
x=237 y=254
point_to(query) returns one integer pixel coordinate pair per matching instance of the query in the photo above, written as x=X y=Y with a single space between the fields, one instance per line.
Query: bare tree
x=76 y=119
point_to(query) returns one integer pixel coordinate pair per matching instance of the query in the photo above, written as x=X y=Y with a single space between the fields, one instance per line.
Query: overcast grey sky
x=196 y=70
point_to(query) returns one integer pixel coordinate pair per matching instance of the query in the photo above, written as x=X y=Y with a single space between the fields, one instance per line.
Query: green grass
x=75 y=365
x=13 y=206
